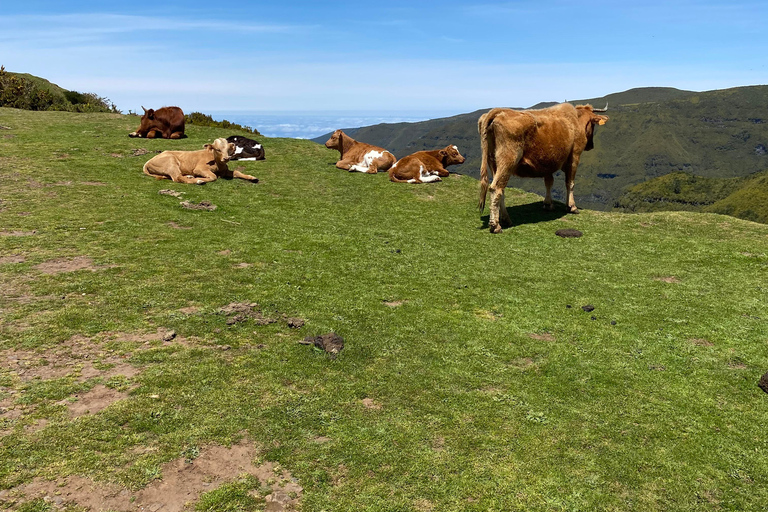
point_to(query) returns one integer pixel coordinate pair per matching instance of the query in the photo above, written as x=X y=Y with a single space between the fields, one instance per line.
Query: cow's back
x=547 y=137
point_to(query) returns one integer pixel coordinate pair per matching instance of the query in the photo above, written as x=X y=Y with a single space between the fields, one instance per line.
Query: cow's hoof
x=496 y=229
x=200 y=182
x=548 y=207
x=573 y=210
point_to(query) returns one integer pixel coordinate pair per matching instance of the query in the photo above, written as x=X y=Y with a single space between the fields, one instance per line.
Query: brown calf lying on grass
x=359 y=156
x=425 y=166
x=198 y=167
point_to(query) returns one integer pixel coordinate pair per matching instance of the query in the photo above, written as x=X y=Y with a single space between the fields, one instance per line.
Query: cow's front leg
x=248 y=177
x=548 y=181
x=570 y=174
x=203 y=176
x=373 y=168
x=345 y=165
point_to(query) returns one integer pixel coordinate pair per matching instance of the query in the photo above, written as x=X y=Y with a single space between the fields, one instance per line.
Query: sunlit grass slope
x=488 y=386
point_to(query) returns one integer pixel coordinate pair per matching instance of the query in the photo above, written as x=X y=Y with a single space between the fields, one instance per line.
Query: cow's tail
x=488 y=149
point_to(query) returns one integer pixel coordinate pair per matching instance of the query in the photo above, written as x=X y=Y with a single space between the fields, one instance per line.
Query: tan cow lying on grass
x=359 y=156
x=425 y=166
x=198 y=167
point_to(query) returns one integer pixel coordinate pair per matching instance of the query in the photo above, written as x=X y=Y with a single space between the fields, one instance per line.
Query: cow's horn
x=145 y=110
x=601 y=109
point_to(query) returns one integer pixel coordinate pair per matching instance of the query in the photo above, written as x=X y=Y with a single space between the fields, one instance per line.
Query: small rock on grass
x=588 y=308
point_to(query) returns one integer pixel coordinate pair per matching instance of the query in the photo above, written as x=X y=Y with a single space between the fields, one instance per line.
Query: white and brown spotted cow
x=425 y=166
x=359 y=156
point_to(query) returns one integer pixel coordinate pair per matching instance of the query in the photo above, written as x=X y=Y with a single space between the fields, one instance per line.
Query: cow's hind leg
x=548 y=181
x=504 y=219
x=507 y=160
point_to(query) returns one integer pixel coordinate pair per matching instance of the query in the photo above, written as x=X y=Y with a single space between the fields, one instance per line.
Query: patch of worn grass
x=617 y=409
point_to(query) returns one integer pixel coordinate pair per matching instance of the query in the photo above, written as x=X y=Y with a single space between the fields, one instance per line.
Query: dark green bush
x=200 y=119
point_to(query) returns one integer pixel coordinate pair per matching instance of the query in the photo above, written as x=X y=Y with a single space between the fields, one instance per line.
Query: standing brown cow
x=165 y=123
x=533 y=144
x=359 y=156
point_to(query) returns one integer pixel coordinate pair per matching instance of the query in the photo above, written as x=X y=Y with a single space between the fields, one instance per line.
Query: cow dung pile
x=202 y=205
x=568 y=233
x=331 y=342
x=763 y=382
x=242 y=311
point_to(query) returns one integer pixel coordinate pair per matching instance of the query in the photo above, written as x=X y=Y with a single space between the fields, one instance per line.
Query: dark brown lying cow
x=533 y=144
x=425 y=166
x=359 y=156
x=165 y=123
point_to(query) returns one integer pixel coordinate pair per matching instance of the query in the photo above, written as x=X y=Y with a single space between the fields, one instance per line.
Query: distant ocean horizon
x=308 y=125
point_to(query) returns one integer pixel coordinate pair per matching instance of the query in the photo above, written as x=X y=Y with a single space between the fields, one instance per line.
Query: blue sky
x=444 y=56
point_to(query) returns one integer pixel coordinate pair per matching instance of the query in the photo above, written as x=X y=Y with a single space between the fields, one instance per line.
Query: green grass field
x=471 y=378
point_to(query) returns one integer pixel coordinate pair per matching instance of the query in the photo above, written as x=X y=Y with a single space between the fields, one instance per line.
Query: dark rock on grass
x=588 y=308
x=331 y=342
x=169 y=335
x=202 y=205
x=568 y=233
x=763 y=382
x=295 y=323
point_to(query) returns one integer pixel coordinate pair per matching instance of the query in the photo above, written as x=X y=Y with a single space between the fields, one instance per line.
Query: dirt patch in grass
x=545 y=336
x=667 y=279
x=701 y=342
x=6 y=260
x=93 y=401
x=78 y=356
x=394 y=303
x=241 y=311
x=523 y=363
x=189 y=310
x=177 y=226
x=225 y=252
x=182 y=484
x=61 y=265
x=169 y=192
x=4 y=232
x=94 y=183
x=370 y=403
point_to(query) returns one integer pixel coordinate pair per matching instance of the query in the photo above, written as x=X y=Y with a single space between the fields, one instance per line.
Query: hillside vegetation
x=746 y=198
x=651 y=132
x=143 y=342
x=25 y=91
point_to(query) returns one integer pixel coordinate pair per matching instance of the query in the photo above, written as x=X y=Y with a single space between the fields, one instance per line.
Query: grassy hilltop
x=651 y=132
x=472 y=379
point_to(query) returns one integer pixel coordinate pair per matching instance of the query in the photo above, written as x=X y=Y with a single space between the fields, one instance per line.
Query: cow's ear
x=207 y=146
x=151 y=113
x=231 y=148
x=443 y=153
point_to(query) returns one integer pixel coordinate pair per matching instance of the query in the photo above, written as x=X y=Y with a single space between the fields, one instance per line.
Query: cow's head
x=222 y=150
x=450 y=156
x=590 y=120
x=335 y=141
x=147 y=123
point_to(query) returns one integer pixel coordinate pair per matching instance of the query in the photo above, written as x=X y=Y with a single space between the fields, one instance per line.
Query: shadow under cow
x=530 y=213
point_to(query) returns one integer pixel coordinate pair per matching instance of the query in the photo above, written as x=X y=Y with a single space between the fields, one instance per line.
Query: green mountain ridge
x=652 y=131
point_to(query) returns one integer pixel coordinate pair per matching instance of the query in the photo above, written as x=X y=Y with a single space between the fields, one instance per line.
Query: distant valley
x=651 y=133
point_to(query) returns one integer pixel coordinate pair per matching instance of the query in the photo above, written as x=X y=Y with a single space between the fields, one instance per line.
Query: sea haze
x=308 y=125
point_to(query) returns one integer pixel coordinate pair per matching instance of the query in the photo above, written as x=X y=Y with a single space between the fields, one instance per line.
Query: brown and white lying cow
x=533 y=144
x=359 y=156
x=165 y=123
x=198 y=167
x=425 y=166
